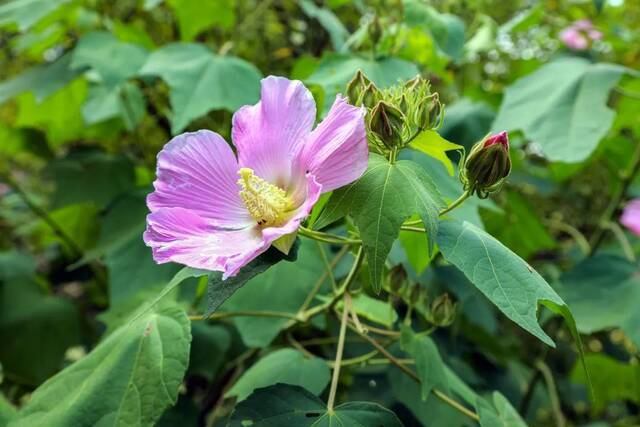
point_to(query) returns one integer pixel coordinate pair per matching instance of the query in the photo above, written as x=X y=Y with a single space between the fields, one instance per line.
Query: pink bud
x=501 y=138
x=573 y=39
x=631 y=216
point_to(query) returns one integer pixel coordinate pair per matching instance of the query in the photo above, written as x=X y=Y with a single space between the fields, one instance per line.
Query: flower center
x=267 y=203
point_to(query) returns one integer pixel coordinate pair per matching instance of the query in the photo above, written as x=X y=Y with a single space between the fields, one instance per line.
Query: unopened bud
x=397 y=278
x=486 y=165
x=370 y=96
x=386 y=124
x=356 y=87
x=442 y=311
x=375 y=30
x=429 y=112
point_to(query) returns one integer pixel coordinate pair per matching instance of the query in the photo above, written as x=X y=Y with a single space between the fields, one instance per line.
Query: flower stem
x=327 y=266
x=464 y=196
x=336 y=366
x=327 y=238
x=553 y=393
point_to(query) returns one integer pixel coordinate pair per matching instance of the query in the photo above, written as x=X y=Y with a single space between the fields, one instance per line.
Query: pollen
x=268 y=204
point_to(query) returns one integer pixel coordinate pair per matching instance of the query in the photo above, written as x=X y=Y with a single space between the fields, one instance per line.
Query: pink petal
x=594 y=34
x=179 y=235
x=573 y=39
x=267 y=134
x=198 y=171
x=582 y=24
x=336 y=153
x=631 y=216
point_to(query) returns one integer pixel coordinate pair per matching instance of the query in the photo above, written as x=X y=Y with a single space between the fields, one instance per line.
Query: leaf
x=7 y=411
x=503 y=415
x=603 y=281
x=335 y=71
x=128 y=379
x=35 y=329
x=285 y=405
x=113 y=60
x=432 y=144
x=41 y=80
x=208 y=349
x=286 y=366
x=429 y=365
x=446 y=29
x=380 y=201
x=614 y=380
x=503 y=277
x=290 y=281
x=374 y=310
x=572 y=116
x=218 y=290
x=195 y=16
x=201 y=81
x=467 y=122
x=329 y=21
x=90 y=177
x=124 y=101
x=26 y=13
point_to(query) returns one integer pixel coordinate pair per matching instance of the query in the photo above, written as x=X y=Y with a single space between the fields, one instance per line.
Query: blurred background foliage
x=91 y=90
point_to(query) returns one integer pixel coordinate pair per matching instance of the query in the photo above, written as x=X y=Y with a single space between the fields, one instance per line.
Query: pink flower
x=631 y=216
x=212 y=211
x=501 y=138
x=579 y=35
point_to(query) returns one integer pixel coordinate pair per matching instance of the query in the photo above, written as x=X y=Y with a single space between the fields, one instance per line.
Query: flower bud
x=428 y=112
x=370 y=96
x=356 y=87
x=386 y=124
x=486 y=165
x=442 y=311
x=397 y=278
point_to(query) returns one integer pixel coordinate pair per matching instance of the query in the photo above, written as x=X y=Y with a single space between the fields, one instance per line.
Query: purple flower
x=579 y=35
x=212 y=211
x=631 y=216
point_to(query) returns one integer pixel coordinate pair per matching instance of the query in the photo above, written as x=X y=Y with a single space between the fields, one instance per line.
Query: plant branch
x=552 y=391
x=464 y=196
x=327 y=238
x=338 y=361
x=328 y=267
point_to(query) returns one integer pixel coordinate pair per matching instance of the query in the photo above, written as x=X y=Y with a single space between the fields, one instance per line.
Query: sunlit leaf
x=432 y=144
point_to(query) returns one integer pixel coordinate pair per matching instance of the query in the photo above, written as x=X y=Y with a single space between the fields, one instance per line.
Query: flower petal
x=198 y=171
x=631 y=216
x=336 y=153
x=179 y=235
x=313 y=191
x=266 y=134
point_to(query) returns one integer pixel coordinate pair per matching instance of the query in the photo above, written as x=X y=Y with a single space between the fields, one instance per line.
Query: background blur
x=90 y=91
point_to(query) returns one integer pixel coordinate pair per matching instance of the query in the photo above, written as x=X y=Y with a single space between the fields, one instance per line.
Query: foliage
x=405 y=300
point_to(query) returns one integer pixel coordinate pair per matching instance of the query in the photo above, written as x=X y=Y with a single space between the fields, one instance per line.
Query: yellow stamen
x=268 y=204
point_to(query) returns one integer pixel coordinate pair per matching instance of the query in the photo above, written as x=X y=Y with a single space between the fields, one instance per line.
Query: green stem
x=246 y=313
x=577 y=236
x=622 y=239
x=553 y=393
x=627 y=93
x=327 y=266
x=336 y=366
x=464 y=196
x=318 y=284
x=327 y=238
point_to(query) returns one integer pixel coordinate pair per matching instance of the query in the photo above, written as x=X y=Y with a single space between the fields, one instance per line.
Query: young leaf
x=285 y=405
x=432 y=144
x=201 y=81
x=429 y=365
x=286 y=366
x=128 y=379
x=380 y=201
x=501 y=414
x=562 y=106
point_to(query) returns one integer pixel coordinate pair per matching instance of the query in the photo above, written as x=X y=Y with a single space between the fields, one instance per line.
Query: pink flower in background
x=579 y=35
x=631 y=216
x=212 y=211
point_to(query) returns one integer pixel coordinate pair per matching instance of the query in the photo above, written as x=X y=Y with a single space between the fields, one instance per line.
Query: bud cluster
x=486 y=165
x=396 y=114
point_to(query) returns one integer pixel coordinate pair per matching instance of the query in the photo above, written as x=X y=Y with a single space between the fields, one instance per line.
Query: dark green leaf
x=501 y=414
x=429 y=365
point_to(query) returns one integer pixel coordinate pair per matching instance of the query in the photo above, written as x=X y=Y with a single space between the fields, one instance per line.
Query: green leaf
x=290 y=281
x=374 y=310
x=432 y=144
x=562 y=107
x=124 y=101
x=603 y=281
x=467 y=122
x=429 y=365
x=35 y=329
x=614 y=380
x=380 y=201
x=90 y=177
x=502 y=276
x=113 y=60
x=208 y=349
x=41 y=80
x=195 y=16
x=7 y=411
x=286 y=366
x=335 y=71
x=501 y=414
x=329 y=21
x=26 y=13
x=285 y=405
x=446 y=29
x=201 y=81
x=128 y=379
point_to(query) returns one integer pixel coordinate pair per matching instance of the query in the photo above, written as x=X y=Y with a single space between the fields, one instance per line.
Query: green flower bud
x=356 y=87
x=386 y=123
x=428 y=112
x=442 y=311
x=486 y=165
x=397 y=278
x=370 y=96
